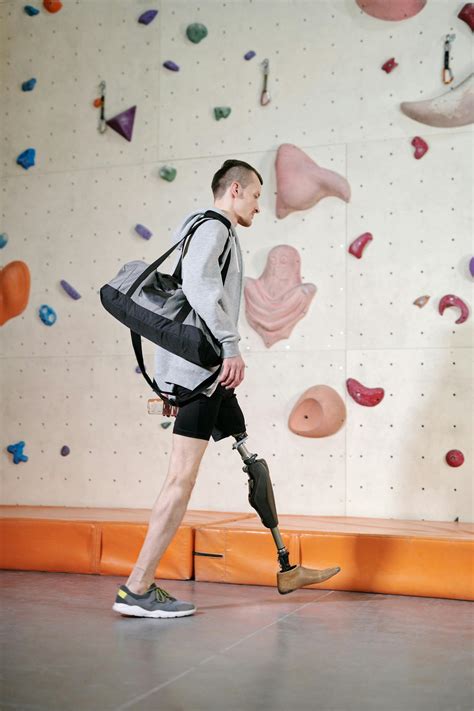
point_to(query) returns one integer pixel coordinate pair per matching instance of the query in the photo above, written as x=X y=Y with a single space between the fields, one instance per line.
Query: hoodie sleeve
x=202 y=284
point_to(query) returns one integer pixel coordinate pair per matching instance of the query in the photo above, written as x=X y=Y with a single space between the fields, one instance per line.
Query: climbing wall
x=72 y=217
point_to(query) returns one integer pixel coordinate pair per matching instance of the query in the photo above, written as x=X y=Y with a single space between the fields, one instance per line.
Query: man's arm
x=202 y=284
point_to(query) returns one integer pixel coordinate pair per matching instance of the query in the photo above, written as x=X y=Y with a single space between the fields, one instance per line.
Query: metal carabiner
x=102 y=123
x=447 y=73
x=265 y=95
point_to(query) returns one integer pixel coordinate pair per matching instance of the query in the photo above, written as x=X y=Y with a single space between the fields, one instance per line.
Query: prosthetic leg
x=290 y=577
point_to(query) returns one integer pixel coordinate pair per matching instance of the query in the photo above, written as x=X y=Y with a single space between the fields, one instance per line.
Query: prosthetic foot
x=290 y=577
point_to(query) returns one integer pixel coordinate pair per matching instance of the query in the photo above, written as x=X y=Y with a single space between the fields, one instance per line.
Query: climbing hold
x=471 y=266
x=389 y=65
x=143 y=231
x=14 y=290
x=455 y=458
x=196 y=32
x=450 y=300
x=28 y=85
x=147 y=17
x=301 y=183
x=249 y=55
x=454 y=108
x=47 y=315
x=393 y=10
x=52 y=5
x=137 y=369
x=421 y=301
x=17 y=451
x=358 y=245
x=165 y=425
x=27 y=158
x=222 y=112
x=171 y=65
x=123 y=123
x=467 y=14
x=319 y=412
x=421 y=147
x=3 y=240
x=31 y=11
x=98 y=103
x=65 y=450
x=369 y=397
x=70 y=290
x=168 y=173
x=277 y=300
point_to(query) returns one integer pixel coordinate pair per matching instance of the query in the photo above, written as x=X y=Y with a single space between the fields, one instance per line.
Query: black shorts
x=219 y=415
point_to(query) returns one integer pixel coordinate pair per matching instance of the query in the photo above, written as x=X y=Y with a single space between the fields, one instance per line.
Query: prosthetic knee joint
x=261 y=495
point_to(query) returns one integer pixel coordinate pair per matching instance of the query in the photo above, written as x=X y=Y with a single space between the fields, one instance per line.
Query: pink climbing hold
x=455 y=458
x=319 y=412
x=358 y=245
x=421 y=147
x=393 y=9
x=277 y=300
x=421 y=301
x=389 y=65
x=369 y=397
x=467 y=14
x=451 y=300
x=301 y=183
x=123 y=123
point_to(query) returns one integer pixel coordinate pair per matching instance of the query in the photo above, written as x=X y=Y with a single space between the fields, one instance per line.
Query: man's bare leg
x=168 y=510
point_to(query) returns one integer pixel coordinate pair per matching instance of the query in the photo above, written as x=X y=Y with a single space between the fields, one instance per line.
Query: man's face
x=246 y=204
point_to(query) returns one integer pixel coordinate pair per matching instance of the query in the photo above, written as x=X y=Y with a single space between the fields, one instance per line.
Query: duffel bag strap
x=137 y=347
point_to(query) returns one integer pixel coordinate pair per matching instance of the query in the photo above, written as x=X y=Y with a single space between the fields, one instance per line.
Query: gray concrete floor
x=246 y=649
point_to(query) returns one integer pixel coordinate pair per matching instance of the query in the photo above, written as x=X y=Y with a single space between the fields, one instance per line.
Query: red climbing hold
x=452 y=300
x=455 y=458
x=389 y=65
x=358 y=245
x=369 y=397
x=467 y=14
x=52 y=5
x=421 y=147
x=97 y=103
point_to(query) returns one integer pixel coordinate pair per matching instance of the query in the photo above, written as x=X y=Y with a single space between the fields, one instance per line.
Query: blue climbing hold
x=70 y=290
x=17 y=451
x=47 y=315
x=65 y=450
x=31 y=11
x=143 y=231
x=147 y=17
x=171 y=65
x=27 y=158
x=29 y=85
x=249 y=55
x=3 y=240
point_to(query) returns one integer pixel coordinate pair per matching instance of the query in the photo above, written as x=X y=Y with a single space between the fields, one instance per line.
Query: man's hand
x=233 y=370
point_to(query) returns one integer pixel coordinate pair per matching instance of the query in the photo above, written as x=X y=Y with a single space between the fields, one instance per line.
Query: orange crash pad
x=425 y=558
x=241 y=552
x=93 y=540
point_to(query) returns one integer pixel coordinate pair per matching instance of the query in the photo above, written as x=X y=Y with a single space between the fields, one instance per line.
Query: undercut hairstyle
x=233 y=171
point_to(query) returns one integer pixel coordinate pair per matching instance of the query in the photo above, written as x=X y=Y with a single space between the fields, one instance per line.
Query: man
x=236 y=188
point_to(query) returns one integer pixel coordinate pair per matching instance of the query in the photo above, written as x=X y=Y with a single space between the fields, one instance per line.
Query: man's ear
x=235 y=189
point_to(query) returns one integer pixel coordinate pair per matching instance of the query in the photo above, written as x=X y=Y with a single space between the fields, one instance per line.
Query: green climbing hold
x=221 y=112
x=196 y=32
x=168 y=174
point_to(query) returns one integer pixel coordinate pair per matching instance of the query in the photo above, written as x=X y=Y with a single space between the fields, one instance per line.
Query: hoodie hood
x=190 y=219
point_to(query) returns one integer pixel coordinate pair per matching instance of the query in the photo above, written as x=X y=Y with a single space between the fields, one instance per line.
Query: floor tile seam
x=148 y=693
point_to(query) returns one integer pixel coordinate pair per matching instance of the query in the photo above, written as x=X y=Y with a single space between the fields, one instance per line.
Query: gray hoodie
x=217 y=304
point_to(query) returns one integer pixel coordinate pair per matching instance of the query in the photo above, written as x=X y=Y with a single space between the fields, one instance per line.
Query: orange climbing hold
x=97 y=103
x=14 y=290
x=52 y=5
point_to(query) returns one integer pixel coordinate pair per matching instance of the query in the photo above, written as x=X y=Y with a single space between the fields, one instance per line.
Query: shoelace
x=162 y=595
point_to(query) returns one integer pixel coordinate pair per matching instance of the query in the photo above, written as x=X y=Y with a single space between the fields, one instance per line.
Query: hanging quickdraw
x=265 y=96
x=447 y=73
x=102 y=123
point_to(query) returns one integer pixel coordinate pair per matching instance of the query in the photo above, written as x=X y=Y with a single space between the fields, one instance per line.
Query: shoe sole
x=136 y=611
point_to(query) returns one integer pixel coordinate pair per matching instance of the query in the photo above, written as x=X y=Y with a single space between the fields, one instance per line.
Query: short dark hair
x=230 y=171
